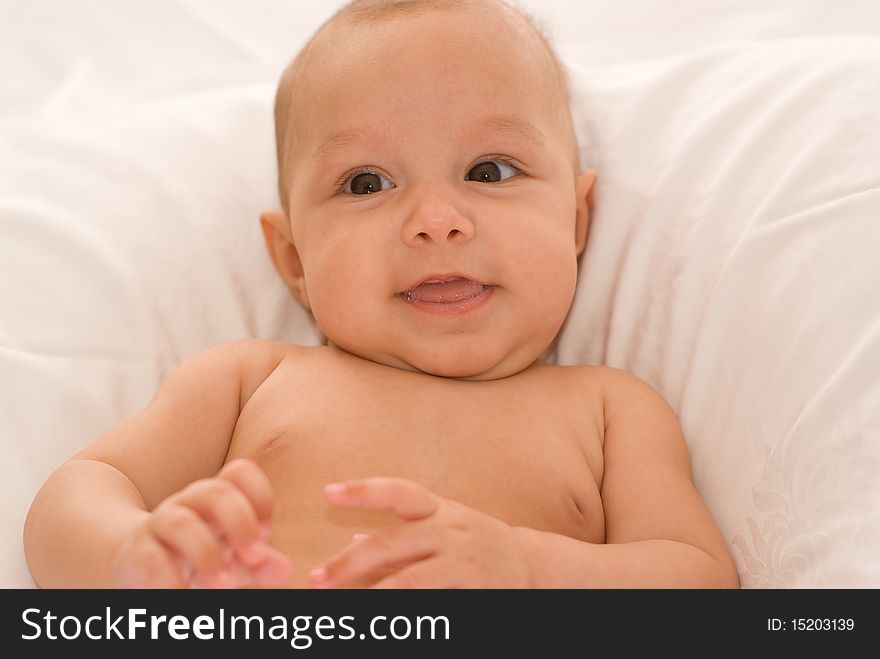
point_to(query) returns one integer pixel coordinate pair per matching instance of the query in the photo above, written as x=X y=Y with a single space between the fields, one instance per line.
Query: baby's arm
x=126 y=502
x=659 y=533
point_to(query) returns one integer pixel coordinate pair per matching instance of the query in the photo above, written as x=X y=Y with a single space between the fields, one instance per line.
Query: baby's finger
x=185 y=533
x=404 y=498
x=253 y=482
x=390 y=547
x=227 y=511
x=274 y=570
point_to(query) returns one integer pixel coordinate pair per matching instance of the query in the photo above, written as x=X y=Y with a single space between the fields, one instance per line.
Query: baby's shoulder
x=262 y=349
x=626 y=396
x=591 y=376
x=258 y=359
x=611 y=385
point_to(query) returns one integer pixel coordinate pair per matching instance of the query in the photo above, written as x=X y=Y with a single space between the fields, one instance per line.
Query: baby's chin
x=460 y=365
x=459 y=370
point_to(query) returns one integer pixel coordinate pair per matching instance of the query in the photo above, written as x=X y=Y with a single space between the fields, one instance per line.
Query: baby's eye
x=366 y=183
x=491 y=171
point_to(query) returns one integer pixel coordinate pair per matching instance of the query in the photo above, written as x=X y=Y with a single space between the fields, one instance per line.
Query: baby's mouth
x=447 y=290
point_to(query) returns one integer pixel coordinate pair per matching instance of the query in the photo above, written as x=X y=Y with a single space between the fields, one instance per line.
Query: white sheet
x=733 y=266
x=731 y=263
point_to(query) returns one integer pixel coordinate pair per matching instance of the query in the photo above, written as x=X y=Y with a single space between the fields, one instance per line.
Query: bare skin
x=545 y=452
x=433 y=220
x=465 y=441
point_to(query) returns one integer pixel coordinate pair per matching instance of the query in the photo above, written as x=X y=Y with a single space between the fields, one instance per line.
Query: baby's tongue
x=453 y=290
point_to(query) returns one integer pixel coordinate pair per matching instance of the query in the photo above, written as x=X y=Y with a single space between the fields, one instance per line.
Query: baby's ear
x=282 y=251
x=584 y=197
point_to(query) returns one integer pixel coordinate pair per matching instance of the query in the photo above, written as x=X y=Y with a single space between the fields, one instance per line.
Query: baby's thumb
x=272 y=569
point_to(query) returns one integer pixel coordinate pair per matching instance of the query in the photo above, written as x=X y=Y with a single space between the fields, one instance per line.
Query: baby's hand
x=213 y=534
x=441 y=544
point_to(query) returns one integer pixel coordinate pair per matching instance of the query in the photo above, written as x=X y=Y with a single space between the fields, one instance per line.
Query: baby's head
x=433 y=206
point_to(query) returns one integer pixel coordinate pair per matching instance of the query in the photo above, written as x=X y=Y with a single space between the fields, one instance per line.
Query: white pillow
x=132 y=174
x=131 y=178
x=733 y=264
x=126 y=248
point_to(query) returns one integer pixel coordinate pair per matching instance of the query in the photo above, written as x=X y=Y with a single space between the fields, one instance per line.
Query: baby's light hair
x=374 y=11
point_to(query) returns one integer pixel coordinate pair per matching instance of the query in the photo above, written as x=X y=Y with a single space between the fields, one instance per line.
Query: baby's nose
x=437 y=221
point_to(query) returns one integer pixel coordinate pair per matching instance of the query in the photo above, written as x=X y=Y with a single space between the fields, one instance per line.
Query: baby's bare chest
x=515 y=452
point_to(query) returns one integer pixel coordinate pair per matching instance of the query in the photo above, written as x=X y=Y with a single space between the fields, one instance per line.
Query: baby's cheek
x=346 y=313
x=552 y=291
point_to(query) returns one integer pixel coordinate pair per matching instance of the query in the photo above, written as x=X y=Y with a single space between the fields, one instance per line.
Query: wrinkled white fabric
x=732 y=264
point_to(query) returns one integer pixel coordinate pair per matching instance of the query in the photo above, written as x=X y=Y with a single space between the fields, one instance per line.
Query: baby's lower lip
x=456 y=304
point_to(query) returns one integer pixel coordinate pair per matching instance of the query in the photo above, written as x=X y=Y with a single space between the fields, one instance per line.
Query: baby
x=433 y=215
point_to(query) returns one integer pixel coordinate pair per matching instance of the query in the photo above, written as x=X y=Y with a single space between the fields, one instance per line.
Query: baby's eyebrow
x=512 y=125
x=336 y=142
x=499 y=123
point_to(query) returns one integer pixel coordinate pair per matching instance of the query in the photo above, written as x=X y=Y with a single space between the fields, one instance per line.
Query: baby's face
x=434 y=200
